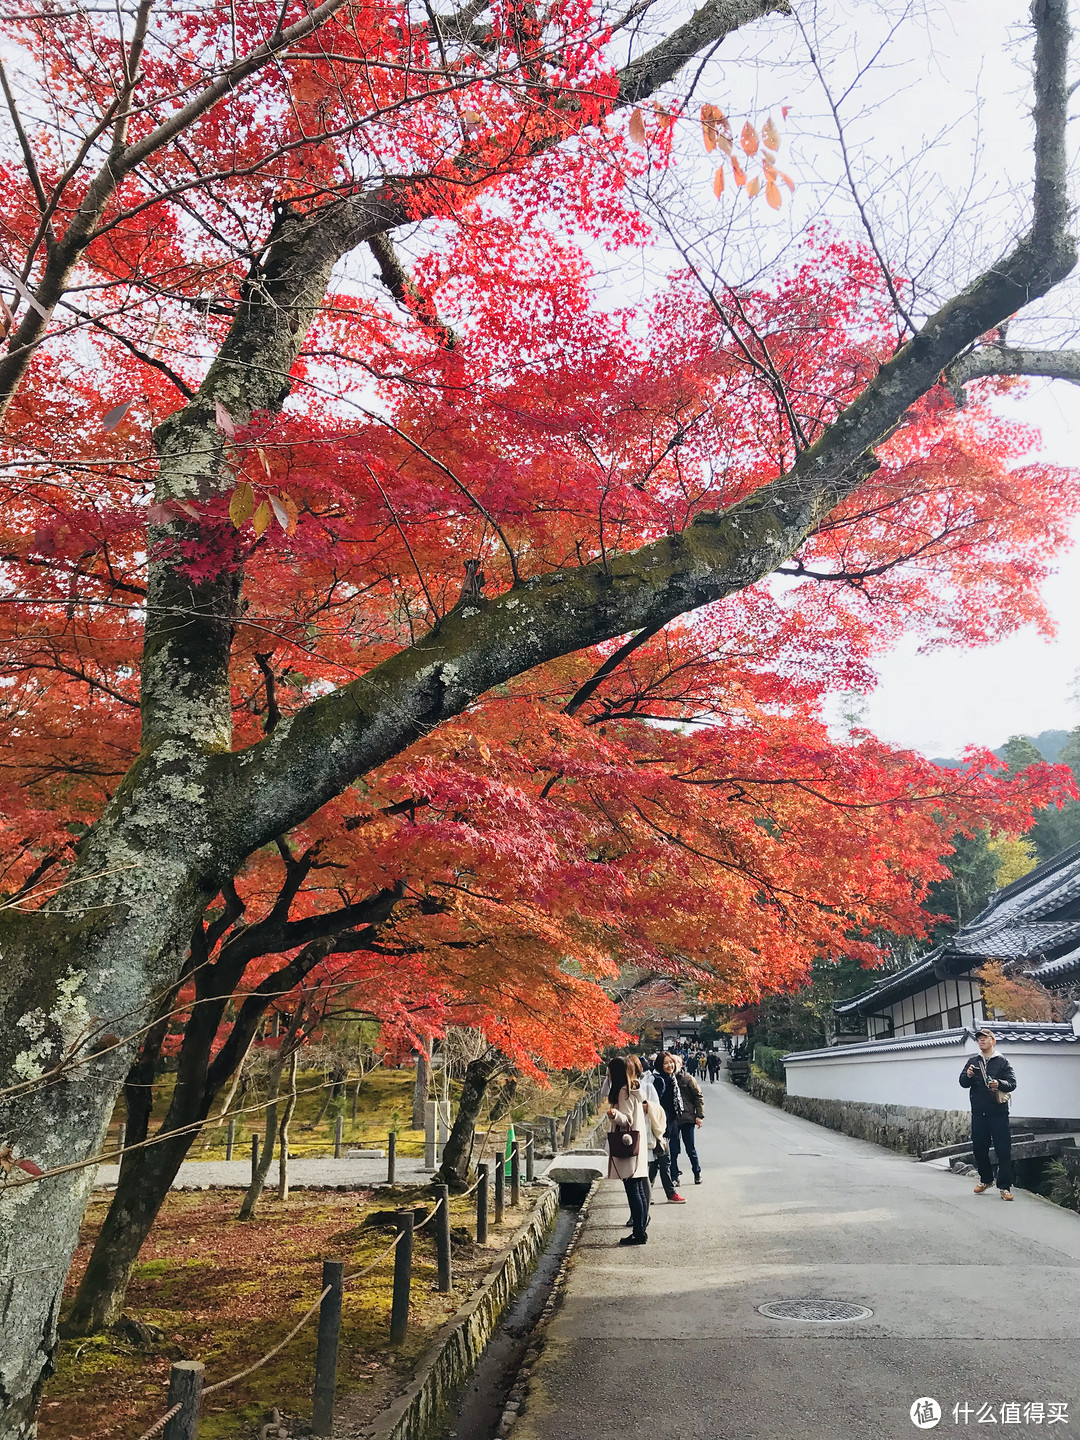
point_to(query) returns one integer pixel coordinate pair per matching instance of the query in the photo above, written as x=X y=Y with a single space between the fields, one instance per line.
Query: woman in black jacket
x=671 y=1099
x=986 y=1079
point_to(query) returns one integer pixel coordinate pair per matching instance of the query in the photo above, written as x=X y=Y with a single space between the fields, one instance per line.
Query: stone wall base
x=909 y=1128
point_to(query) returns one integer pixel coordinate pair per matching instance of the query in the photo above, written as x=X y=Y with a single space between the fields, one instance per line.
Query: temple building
x=903 y=1040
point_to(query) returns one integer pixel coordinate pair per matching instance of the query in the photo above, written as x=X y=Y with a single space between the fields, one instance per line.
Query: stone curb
x=517 y=1400
x=452 y=1356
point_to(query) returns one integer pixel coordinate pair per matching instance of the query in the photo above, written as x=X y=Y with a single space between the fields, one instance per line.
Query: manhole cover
x=818 y=1311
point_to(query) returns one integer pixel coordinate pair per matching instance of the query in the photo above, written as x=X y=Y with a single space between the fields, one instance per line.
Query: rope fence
x=159 y=1425
x=186 y=1389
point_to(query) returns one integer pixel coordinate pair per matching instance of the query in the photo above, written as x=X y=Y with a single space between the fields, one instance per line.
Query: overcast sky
x=939 y=702
x=942 y=120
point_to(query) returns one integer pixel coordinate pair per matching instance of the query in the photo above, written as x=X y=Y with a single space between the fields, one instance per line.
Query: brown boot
x=981 y=1186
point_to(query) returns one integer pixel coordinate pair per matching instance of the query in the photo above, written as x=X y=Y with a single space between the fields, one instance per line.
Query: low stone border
x=517 y=1399
x=452 y=1356
x=910 y=1129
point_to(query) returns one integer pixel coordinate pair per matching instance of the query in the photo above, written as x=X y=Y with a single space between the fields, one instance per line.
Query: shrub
x=770 y=1060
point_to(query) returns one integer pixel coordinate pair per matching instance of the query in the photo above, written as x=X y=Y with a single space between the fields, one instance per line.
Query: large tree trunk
x=454 y=1170
x=73 y=986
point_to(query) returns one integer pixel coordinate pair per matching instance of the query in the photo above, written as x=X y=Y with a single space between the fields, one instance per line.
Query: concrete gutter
x=452 y=1356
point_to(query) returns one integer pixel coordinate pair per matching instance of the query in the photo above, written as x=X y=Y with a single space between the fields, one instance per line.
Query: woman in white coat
x=629 y=1115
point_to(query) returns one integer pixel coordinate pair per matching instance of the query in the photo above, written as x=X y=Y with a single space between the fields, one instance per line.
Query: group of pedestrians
x=700 y=1062
x=656 y=1106
x=653 y=1118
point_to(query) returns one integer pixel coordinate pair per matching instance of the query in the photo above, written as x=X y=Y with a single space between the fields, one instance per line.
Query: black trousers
x=660 y=1164
x=637 y=1196
x=993 y=1129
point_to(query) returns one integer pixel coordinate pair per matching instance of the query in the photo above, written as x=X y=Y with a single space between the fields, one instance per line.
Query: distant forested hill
x=1049 y=744
x=1054 y=830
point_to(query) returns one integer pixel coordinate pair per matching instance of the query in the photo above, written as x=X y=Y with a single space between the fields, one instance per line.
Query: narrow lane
x=975 y=1302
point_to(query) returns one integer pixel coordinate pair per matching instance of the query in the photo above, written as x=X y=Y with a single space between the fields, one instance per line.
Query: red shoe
x=676 y=1199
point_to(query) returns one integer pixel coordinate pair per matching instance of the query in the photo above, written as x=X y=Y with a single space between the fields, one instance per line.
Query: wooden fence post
x=515 y=1176
x=399 y=1307
x=254 y=1156
x=326 y=1350
x=230 y=1138
x=553 y=1134
x=185 y=1388
x=500 y=1190
x=391 y=1157
x=482 y=1204
x=339 y=1127
x=442 y=1239
x=530 y=1157
x=121 y=1140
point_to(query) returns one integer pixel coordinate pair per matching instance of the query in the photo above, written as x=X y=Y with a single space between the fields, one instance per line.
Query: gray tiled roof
x=1008 y=1032
x=1021 y=922
x=1012 y=940
x=1055 y=970
x=895 y=985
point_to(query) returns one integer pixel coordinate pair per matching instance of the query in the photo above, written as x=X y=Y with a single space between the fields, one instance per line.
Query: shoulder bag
x=1001 y=1096
x=624 y=1140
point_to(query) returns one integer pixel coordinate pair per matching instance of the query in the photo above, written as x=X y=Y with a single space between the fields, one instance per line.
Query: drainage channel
x=476 y=1412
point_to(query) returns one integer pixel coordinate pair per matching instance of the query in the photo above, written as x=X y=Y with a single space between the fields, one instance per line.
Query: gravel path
x=320 y=1174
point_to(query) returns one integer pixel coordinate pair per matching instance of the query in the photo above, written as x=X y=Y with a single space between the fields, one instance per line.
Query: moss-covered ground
x=225 y=1291
x=383 y=1103
x=211 y=1287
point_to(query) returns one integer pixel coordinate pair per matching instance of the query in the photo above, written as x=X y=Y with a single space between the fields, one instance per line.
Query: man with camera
x=990 y=1081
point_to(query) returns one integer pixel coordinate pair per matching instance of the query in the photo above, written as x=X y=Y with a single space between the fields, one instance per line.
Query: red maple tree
x=345 y=644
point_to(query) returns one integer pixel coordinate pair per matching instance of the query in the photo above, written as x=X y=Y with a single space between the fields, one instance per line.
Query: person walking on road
x=671 y=1101
x=713 y=1062
x=990 y=1080
x=692 y=1114
x=633 y=1126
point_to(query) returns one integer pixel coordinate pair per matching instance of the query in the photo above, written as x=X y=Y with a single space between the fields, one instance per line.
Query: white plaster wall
x=1048 y=1078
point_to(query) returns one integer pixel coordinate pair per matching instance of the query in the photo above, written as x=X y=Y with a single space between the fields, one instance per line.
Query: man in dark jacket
x=986 y=1078
x=692 y=1108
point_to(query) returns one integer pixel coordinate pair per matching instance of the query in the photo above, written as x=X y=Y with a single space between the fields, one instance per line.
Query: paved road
x=974 y=1301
